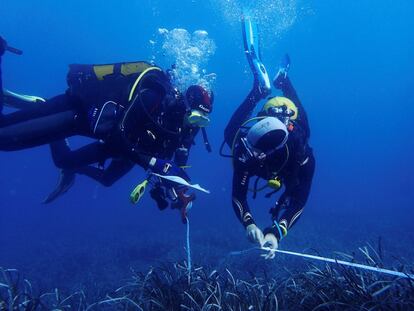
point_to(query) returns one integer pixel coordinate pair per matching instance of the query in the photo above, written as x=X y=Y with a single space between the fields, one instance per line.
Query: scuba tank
x=248 y=143
x=104 y=91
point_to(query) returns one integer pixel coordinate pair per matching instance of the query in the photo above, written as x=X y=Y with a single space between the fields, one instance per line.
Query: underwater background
x=352 y=67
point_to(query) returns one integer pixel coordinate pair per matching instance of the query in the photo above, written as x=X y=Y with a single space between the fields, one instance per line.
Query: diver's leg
x=252 y=50
x=68 y=159
x=28 y=128
x=261 y=86
x=107 y=177
x=243 y=112
x=290 y=92
x=282 y=82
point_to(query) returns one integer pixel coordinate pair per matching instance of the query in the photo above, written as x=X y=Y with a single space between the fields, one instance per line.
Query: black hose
x=222 y=153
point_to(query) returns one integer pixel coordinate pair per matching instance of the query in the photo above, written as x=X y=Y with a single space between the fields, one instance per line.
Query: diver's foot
x=282 y=73
x=263 y=89
x=65 y=182
x=262 y=80
x=252 y=50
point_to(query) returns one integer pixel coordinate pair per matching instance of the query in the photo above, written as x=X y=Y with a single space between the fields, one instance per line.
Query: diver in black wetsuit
x=272 y=146
x=275 y=152
x=131 y=108
x=199 y=103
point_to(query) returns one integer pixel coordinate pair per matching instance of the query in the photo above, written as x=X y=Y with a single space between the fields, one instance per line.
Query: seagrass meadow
x=229 y=286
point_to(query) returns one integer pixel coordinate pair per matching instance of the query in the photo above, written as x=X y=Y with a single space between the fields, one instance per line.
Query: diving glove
x=158 y=195
x=282 y=72
x=254 y=234
x=272 y=244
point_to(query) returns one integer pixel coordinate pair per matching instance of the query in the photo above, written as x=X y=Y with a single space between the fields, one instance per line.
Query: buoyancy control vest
x=104 y=90
x=134 y=96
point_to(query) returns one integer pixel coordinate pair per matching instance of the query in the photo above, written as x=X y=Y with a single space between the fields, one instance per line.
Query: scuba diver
x=131 y=109
x=272 y=146
x=70 y=163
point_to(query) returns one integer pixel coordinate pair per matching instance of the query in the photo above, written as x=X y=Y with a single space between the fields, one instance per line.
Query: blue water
x=352 y=67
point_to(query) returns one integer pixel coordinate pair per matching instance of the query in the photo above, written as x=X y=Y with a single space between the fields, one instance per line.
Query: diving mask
x=197 y=118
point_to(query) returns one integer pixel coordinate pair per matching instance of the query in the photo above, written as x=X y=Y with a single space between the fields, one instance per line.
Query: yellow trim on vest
x=103 y=70
x=131 y=94
x=131 y=68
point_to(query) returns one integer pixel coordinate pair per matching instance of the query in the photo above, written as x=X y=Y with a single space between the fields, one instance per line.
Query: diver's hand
x=3 y=46
x=257 y=160
x=254 y=234
x=181 y=156
x=164 y=167
x=271 y=244
x=254 y=159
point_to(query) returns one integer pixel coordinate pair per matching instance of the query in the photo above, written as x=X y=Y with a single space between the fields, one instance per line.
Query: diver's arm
x=290 y=205
x=239 y=196
x=65 y=158
x=107 y=177
x=119 y=141
x=182 y=153
x=155 y=165
x=139 y=158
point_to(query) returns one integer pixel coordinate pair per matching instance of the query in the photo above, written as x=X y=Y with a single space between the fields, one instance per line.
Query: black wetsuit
x=80 y=160
x=294 y=168
x=69 y=114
